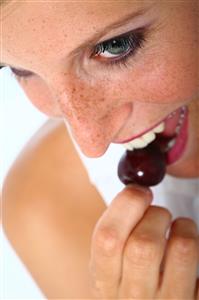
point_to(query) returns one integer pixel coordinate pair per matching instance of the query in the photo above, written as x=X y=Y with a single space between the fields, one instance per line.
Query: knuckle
x=142 y=249
x=106 y=241
x=99 y=286
x=185 y=248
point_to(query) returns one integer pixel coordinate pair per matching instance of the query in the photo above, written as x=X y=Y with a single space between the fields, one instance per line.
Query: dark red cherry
x=145 y=166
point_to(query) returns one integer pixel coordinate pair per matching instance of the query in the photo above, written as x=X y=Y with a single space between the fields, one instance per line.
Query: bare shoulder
x=49 y=213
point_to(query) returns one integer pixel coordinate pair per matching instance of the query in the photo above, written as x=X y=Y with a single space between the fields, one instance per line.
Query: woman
x=112 y=71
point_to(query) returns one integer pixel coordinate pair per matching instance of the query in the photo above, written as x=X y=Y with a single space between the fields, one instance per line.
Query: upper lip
x=140 y=134
x=177 y=110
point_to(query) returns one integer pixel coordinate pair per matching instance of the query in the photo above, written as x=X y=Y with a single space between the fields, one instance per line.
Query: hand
x=131 y=257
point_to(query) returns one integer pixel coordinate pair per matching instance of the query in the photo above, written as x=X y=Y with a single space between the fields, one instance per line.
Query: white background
x=18 y=122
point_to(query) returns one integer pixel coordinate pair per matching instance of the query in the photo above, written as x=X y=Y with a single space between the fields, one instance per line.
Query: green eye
x=117 y=47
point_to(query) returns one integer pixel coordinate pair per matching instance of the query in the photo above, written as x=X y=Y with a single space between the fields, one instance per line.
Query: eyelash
x=21 y=75
x=133 y=40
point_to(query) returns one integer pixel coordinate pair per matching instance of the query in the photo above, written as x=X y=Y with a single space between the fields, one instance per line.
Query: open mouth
x=171 y=136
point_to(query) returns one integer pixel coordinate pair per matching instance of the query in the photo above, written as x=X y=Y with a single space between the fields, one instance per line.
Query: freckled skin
x=103 y=104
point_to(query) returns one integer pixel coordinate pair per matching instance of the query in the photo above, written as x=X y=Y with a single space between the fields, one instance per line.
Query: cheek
x=171 y=78
x=166 y=72
x=40 y=96
x=84 y=100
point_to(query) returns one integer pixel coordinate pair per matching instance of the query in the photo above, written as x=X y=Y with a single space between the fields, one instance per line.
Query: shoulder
x=49 y=165
x=50 y=210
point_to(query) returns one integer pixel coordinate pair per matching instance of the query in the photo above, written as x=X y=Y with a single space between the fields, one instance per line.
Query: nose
x=93 y=117
x=92 y=136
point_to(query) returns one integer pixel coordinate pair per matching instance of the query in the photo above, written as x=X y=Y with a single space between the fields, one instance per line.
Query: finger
x=110 y=235
x=181 y=260
x=143 y=254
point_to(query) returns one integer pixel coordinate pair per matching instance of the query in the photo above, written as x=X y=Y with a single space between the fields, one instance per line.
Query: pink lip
x=145 y=131
x=140 y=134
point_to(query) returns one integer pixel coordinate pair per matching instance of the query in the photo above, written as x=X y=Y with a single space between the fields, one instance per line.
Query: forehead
x=35 y=28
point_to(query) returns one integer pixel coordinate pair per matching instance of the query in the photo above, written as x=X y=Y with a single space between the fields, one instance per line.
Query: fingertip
x=147 y=191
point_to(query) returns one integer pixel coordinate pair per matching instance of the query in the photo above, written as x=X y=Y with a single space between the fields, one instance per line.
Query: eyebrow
x=92 y=40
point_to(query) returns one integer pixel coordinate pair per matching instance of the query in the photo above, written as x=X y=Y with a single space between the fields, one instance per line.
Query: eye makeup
x=115 y=51
x=119 y=49
x=19 y=74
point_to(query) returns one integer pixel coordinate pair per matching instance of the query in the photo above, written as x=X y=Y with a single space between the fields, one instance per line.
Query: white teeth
x=128 y=146
x=181 y=120
x=159 y=128
x=172 y=114
x=149 y=137
x=177 y=130
x=136 y=144
x=145 y=139
x=139 y=143
x=171 y=144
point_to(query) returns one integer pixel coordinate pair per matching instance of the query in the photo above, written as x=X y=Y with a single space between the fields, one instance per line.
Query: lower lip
x=181 y=141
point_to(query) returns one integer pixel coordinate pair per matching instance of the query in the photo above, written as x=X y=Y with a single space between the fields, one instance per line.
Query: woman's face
x=108 y=92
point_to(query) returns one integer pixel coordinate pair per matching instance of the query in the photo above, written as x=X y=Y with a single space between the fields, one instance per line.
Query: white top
x=180 y=196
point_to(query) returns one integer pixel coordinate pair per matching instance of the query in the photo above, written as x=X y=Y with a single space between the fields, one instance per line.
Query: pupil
x=118 y=47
